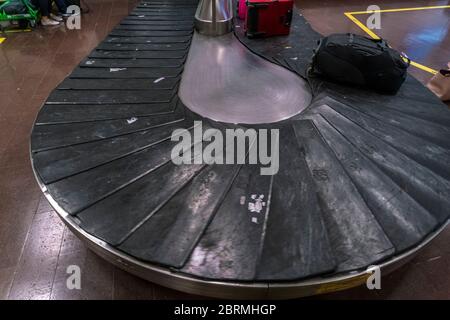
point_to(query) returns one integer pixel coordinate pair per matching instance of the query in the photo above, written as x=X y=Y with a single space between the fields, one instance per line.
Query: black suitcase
x=360 y=61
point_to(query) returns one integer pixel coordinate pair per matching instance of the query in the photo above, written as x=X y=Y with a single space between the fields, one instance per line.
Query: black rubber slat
x=357 y=239
x=125 y=73
x=56 y=113
x=229 y=247
x=143 y=46
x=151 y=33
x=402 y=138
x=140 y=27
x=430 y=131
x=166 y=13
x=427 y=188
x=128 y=21
x=142 y=198
x=146 y=40
x=100 y=182
x=143 y=17
x=154 y=240
x=136 y=54
x=58 y=135
x=296 y=243
x=408 y=90
x=109 y=96
x=132 y=63
x=401 y=100
x=403 y=220
x=119 y=84
x=165 y=7
x=421 y=110
x=170 y=4
x=56 y=164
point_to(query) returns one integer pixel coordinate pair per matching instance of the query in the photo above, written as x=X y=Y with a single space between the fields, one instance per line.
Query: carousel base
x=229 y=289
x=363 y=178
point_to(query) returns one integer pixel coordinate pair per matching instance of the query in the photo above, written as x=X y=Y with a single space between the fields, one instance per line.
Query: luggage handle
x=287 y=18
x=381 y=43
x=406 y=59
x=319 y=44
x=252 y=19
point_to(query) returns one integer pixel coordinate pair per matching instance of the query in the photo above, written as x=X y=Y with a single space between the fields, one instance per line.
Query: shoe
x=49 y=22
x=66 y=15
x=55 y=17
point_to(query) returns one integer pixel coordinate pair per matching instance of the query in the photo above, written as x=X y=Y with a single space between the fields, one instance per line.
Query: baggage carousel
x=364 y=178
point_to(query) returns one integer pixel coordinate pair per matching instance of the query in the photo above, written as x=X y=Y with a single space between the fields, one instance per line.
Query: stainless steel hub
x=214 y=17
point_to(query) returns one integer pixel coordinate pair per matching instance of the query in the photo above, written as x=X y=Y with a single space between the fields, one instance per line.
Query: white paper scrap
x=159 y=79
x=132 y=120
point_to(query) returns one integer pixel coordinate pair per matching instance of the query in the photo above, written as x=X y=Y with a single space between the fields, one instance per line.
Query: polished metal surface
x=214 y=17
x=224 y=81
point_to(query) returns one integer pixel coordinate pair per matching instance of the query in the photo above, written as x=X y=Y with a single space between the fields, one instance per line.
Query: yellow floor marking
x=373 y=35
x=362 y=25
x=2 y=40
x=17 y=30
x=401 y=9
x=424 y=68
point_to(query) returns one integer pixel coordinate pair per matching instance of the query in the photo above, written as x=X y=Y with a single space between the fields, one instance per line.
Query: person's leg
x=62 y=8
x=51 y=15
x=45 y=7
x=35 y=3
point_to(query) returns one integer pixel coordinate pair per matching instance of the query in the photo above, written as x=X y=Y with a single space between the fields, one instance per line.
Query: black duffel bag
x=360 y=61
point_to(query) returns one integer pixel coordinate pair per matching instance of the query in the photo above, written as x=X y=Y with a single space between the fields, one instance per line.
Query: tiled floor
x=36 y=248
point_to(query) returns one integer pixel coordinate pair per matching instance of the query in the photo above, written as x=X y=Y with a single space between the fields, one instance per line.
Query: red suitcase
x=267 y=18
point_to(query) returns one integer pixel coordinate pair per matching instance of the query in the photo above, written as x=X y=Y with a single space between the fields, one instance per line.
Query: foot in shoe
x=66 y=15
x=45 y=21
x=55 y=17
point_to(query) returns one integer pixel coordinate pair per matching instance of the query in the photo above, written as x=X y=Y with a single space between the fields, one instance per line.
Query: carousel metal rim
x=222 y=27
x=227 y=289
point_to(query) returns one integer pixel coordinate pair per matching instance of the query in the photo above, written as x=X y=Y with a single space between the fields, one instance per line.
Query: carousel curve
x=363 y=178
